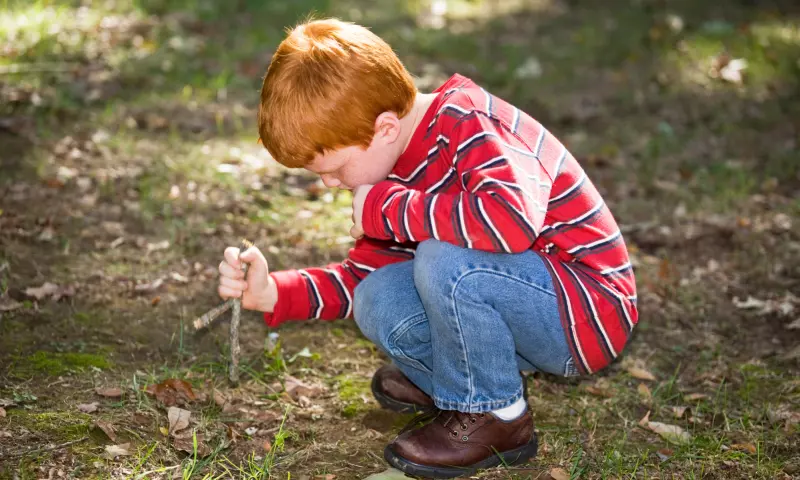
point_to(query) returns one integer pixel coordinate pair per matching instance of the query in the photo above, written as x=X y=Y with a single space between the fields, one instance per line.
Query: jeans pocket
x=410 y=344
x=570 y=370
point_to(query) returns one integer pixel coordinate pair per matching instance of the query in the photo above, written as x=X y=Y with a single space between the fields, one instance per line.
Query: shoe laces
x=461 y=419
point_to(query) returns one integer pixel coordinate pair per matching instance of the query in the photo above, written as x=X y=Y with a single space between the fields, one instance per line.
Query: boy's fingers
x=232 y=256
x=356 y=232
x=233 y=284
x=227 y=293
x=226 y=270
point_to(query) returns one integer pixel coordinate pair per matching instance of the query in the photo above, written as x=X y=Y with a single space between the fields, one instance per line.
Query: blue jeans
x=461 y=323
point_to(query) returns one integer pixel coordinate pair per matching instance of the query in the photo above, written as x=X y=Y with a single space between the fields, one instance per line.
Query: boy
x=482 y=249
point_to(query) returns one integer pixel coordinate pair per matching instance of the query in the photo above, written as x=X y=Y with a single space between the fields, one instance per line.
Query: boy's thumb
x=252 y=255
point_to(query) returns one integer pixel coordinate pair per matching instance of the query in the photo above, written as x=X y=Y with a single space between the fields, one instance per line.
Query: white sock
x=512 y=411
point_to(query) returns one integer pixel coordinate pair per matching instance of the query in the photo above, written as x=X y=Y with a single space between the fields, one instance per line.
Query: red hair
x=326 y=85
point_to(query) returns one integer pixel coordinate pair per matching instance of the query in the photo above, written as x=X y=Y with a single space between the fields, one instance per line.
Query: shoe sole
x=508 y=458
x=396 y=405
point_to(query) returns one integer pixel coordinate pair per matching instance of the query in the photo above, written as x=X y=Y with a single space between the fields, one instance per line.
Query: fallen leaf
x=599 y=390
x=695 y=396
x=295 y=388
x=114 y=451
x=164 y=431
x=185 y=442
x=732 y=72
x=744 y=447
x=178 y=419
x=679 y=411
x=645 y=420
x=49 y=290
x=2 y=412
x=88 y=407
x=749 y=303
x=664 y=454
x=107 y=428
x=641 y=373
x=559 y=474
x=5 y=434
x=154 y=247
x=110 y=392
x=388 y=474
x=219 y=398
x=149 y=286
x=4 y=402
x=172 y=391
x=267 y=446
x=644 y=392
x=327 y=476
x=791 y=326
x=178 y=277
x=671 y=433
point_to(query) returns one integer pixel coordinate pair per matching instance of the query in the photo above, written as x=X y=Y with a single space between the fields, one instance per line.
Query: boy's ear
x=387 y=127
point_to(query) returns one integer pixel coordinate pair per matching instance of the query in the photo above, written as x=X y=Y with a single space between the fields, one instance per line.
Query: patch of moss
x=352 y=391
x=64 y=426
x=54 y=364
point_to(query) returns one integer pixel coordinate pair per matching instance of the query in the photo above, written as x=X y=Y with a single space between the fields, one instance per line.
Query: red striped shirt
x=482 y=174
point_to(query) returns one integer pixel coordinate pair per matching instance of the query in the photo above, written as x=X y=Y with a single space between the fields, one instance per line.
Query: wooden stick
x=211 y=315
x=233 y=371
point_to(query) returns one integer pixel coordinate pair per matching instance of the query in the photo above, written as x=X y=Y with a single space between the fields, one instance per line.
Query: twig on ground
x=46 y=449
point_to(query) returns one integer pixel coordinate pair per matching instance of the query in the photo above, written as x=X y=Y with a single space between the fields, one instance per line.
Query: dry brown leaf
x=149 y=286
x=178 y=419
x=45 y=290
x=744 y=447
x=108 y=429
x=645 y=420
x=600 y=392
x=110 y=392
x=5 y=434
x=185 y=442
x=50 y=290
x=644 y=392
x=664 y=454
x=267 y=446
x=88 y=407
x=679 y=411
x=114 y=451
x=559 y=474
x=219 y=398
x=172 y=392
x=295 y=388
x=327 y=476
x=695 y=396
x=641 y=373
x=671 y=433
x=2 y=412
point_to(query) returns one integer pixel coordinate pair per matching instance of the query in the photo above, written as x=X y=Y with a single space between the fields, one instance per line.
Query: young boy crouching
x=482 y=249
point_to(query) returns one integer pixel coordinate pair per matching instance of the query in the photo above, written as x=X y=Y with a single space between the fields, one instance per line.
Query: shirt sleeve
x=326 y=292
x=500 y=204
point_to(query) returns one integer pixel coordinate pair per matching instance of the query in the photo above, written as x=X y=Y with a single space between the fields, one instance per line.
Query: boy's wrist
x=271 y=297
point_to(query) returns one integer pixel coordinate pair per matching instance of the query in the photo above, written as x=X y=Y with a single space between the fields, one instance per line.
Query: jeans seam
x=480 y=406
x=402 y=327
x=510 y=277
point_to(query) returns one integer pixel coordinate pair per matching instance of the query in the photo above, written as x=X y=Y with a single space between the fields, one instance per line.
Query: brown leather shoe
x=459 y=444
x=395 y=391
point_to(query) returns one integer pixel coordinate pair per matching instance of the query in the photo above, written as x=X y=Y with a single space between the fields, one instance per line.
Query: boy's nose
x=330 y=181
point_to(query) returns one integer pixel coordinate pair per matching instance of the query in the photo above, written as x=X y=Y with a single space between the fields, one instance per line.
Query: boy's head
x=331 y=103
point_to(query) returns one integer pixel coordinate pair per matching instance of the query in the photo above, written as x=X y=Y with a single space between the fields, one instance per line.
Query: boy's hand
x=359 y=197
x=259 y=291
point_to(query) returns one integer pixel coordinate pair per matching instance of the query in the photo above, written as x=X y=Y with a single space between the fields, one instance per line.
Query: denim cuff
x=480 y=407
